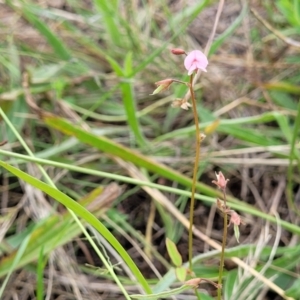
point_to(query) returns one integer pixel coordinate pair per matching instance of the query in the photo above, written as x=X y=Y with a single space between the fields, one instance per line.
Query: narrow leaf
x=236 y=232
x=173 y=253
x=181 y=273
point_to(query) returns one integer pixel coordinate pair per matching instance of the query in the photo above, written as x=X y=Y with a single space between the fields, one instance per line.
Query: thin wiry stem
x=222 y=256
x=196 y=164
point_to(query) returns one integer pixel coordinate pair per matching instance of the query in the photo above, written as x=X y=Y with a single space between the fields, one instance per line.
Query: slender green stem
x=196 y=164
x=222 y=255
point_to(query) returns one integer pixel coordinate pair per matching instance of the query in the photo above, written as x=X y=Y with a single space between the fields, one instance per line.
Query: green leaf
x=173 y=253
x=236 y=232
x=128 y=64
x=181 y=273
x=115 y=66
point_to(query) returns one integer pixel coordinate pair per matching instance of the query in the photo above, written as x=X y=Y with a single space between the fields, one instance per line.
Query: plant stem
x=222 y=256
x=196 y=164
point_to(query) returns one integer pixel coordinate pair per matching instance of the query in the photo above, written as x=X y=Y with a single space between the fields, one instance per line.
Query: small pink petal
x=221 y=181
x=192 y=69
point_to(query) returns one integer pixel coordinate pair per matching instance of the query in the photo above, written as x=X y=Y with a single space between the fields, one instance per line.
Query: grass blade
x=84 y=214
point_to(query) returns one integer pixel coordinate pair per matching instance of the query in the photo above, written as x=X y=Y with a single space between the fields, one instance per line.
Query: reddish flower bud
x=178 y=51
x=194 y=282
x=221 y=181
x=162 y=85
x=235 y=219
x=165 y=82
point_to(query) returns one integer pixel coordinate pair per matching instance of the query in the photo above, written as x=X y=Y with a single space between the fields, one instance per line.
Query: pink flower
x=195 y=60
x=221 y=181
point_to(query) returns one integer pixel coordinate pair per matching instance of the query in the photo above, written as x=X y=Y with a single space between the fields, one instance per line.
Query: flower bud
x=162 y=85
x=235 y=219
x=221 y=181
x=178 y=51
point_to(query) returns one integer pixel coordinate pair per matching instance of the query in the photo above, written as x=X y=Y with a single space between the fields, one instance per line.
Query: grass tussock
x=96 y=172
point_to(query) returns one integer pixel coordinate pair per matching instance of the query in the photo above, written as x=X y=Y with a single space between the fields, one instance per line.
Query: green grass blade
x=84 y=214
x=173 y=253
x=108 y=10
x=115 y=66
x=131 y=111
x=128 y=65
x=250 y=135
